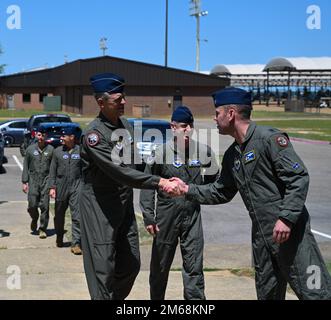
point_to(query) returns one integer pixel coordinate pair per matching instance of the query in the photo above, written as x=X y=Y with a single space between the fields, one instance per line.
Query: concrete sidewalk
x=53 y=273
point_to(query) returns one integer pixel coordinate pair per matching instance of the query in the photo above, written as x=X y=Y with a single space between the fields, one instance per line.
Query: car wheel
x=9 y=141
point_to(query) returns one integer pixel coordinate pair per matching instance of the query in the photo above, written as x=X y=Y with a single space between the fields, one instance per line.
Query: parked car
x=33 y=125
x=149 y=141
x=54 y=131
x=13 y=131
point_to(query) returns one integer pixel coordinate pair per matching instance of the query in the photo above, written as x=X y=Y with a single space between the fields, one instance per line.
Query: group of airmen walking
x=98 y=186
x=54 y=173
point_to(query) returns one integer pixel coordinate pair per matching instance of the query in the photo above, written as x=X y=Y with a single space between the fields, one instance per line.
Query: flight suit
x=273 y=183
x=65 y=176
x=36 y=172
x=109 y=231
x=177 y=218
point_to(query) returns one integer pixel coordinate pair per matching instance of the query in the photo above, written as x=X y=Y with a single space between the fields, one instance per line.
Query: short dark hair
x=244 y=111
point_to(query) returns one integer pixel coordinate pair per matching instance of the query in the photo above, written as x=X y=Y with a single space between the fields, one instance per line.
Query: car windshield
x=50 y=119
x=54 y=130
x=152 y=131
x=157 y=128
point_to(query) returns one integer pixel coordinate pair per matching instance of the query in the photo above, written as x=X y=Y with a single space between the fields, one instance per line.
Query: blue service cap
x=75 y=130
x=182 y=114
x=107 y=82
x=41 y=129
x=232 y=96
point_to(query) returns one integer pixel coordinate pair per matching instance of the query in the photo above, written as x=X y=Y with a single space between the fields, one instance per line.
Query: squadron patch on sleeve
x=93 y=139
x=282 y=141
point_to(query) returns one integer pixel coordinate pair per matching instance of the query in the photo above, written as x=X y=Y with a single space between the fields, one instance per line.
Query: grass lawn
x=4 y=113
x=316 y=129
x=258 y=114
x=329 y=267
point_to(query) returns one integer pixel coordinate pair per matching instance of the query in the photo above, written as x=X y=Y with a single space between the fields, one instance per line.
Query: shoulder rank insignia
x=249 y=156
x=282 y=141
x=93 y=139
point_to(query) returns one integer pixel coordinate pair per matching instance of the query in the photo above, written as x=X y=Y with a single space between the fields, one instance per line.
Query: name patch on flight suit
x=195 y=163
x=249 y=156
x=93 y=139
x=65 y=157
x=75 y=156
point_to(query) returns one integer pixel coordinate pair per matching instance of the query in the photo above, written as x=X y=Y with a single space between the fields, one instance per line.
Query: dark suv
x=33 y=125
x=152 y=134
x=53 y=131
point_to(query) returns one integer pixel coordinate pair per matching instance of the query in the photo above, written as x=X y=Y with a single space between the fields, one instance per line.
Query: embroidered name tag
x=249 y=156
x=75 y=156
x=195 y=163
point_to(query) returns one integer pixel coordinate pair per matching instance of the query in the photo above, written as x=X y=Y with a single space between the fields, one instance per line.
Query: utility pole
x=195 y=11
x=103 y=45
x=166 y=37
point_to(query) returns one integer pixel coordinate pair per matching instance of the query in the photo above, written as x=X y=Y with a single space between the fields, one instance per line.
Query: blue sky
x=238 y=31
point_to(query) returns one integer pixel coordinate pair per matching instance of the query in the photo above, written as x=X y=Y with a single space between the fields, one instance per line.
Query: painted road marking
x=18 y=163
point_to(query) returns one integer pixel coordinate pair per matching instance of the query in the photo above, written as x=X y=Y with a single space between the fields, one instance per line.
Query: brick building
x=152 y=88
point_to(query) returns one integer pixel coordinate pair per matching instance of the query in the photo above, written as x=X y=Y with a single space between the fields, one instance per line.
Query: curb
x=320 y=142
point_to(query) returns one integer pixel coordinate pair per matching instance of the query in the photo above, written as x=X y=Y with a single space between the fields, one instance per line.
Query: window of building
x=26 y=97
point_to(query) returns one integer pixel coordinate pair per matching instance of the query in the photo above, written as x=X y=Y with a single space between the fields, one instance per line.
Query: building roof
x=299 y=63
x=78 y=73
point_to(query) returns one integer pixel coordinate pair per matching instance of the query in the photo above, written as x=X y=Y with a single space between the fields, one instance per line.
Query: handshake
x=174 y=187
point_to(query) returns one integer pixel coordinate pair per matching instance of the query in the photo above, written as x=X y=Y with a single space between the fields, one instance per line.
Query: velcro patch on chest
x=195 y=163
x=249 y=156
x=36 y=153
x=75 y=156
x=65 y=157
x=93 y=139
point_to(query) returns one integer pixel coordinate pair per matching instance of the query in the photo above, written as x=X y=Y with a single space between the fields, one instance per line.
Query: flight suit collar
x=181 y=154
x=43 y=150
x=250 y=131
x=108 y=124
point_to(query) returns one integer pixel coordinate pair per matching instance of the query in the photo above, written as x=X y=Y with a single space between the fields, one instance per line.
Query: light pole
x=166 y=37
x=103 y=45
x=195 y=11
